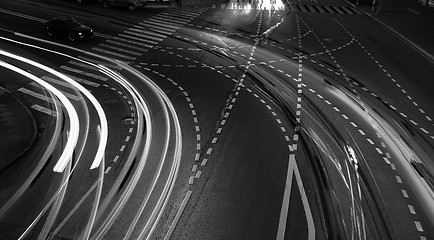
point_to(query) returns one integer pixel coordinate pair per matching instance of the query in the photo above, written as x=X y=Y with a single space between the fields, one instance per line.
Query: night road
x=215 y=120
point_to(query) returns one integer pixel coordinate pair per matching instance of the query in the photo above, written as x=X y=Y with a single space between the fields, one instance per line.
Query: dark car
x=68 y=27
x=131 y=4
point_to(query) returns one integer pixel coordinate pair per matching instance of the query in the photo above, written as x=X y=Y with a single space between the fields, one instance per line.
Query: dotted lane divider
x=382 y=153
x=130 y=130
x=197 y=168
x=399 y=86
x=193 y=113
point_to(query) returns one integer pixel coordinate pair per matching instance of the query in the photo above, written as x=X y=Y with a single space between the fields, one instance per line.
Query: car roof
x=65 y=19
x=68 y=20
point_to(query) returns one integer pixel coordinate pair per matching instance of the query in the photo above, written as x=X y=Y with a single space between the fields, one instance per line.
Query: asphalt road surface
x=240 y=120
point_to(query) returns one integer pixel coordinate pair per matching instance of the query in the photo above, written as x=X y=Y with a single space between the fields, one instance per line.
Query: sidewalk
x=408 y=19
x=17 y=128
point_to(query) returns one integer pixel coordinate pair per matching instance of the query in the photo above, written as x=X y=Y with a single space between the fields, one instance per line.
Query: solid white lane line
x=178 y=215
x=286 y=198
x=306 y=206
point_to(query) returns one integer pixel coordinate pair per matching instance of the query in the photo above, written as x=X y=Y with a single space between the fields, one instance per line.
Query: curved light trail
x=173 y=173
x=60 y=166
x=66 y=158
x=73 y=116
x=48 y=151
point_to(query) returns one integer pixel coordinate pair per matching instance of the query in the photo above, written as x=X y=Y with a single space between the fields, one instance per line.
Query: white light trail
x=73 y=116
x=61 y=164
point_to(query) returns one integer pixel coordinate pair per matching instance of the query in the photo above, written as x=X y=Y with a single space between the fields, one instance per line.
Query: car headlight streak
x=74 y=129
x=73 y=116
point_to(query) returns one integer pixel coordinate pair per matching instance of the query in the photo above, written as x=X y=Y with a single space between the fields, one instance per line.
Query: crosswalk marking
x=113 y=53
x=126 y=45
x=56 y=81
x=120 y=49
x=171 y=19
x=84 y=81
x=81 y=72
x=164 y=23
x=156 y=28
x=132 y=42
x=129 y=44
x=157 y=31
x=35 y=94
x=184 y=12
x=156 y=39
x=67 y=94
x=82 y=65
x=311 y=8
x=174 y=15
x=44 y=110
x=160 y=24
x=321 y=9
x=142 y=30
x=139 y=39
x=339 y=10
x=99 y=63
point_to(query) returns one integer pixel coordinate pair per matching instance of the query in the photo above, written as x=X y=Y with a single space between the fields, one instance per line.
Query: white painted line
x=68 y=95
x=209 y=151
x=386 y=160
x=418 y=226
x=178 y=215
x=83 y=73
x=35 y=94
x=127 y=45
x=44 y=110
x=113 y=53
x=204 y=162
x=111 y=47
x=286 y=198
x=398 y=179
x=379 y=150
x=293 y=168
x=411 y=208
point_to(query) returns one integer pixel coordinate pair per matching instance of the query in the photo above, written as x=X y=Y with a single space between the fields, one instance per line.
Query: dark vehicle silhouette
x=67 y=27
x=132 y=5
